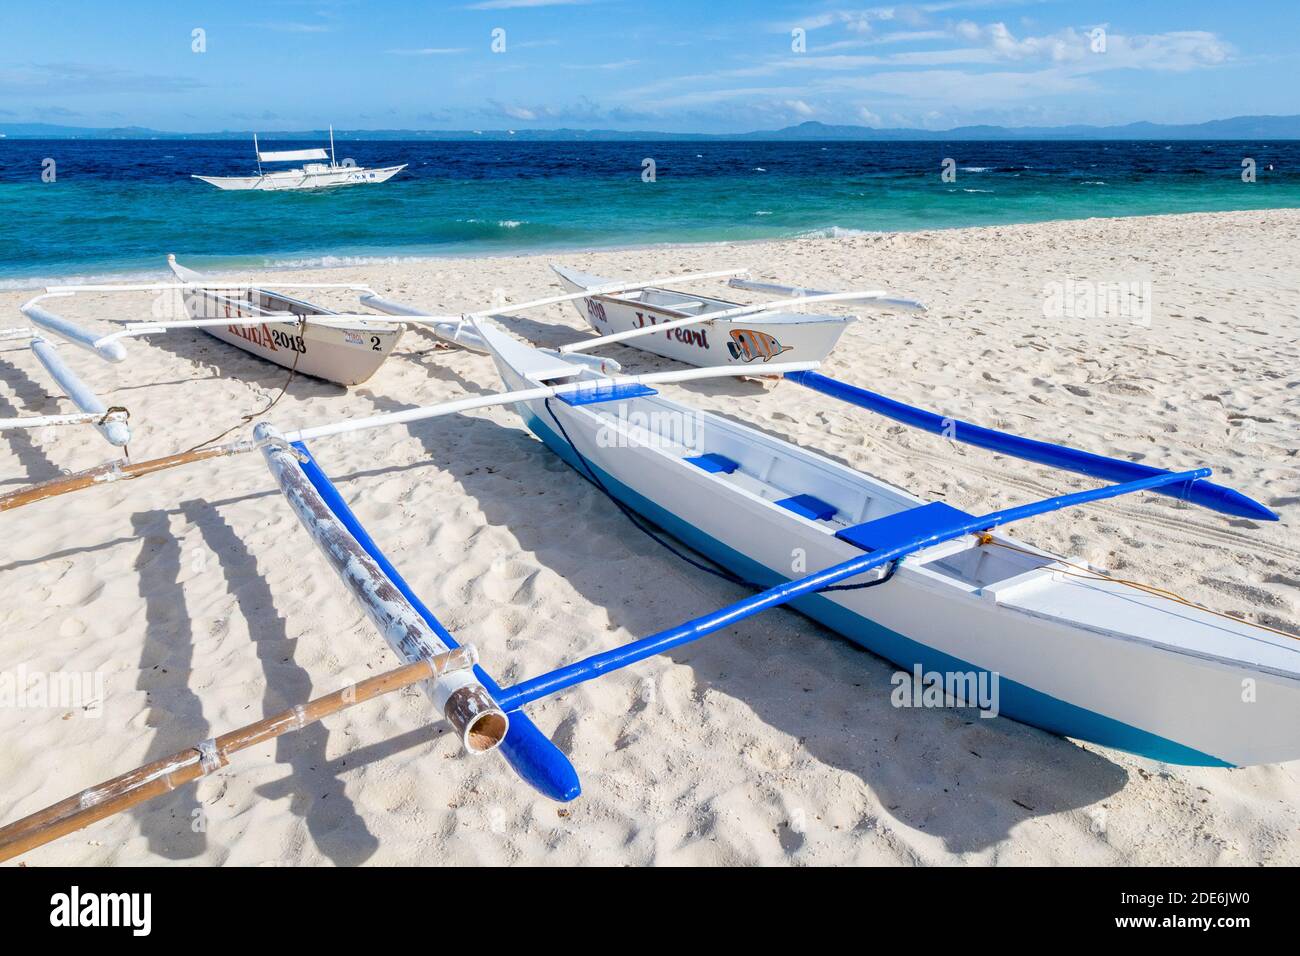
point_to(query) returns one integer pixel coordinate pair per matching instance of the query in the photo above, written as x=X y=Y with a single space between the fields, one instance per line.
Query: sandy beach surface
x=204 y=605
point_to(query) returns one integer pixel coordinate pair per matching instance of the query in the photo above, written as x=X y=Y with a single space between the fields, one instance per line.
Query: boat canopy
x=291 y=155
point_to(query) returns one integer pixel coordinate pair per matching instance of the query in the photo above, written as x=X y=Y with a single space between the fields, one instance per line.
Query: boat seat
x=903 y=526
x=809 y=507
x=602 y=392
x=714 y=463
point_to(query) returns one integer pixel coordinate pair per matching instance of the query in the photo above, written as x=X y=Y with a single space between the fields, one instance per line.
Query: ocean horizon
x=118 y=207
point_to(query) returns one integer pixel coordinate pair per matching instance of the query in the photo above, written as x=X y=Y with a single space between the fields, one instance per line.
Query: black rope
x=649 y=532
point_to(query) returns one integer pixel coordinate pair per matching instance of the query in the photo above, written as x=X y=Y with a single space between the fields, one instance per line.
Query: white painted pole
x=46 y=421
x=74 y=333
x=541 y=391
x=113 y=429
x=134 y=329
x=210 y=284
x=715 y=316
x=608 y=289
x=774 y=288
x=456 y=331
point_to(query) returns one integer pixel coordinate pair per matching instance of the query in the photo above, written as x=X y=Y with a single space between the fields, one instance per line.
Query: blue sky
x=699 y=65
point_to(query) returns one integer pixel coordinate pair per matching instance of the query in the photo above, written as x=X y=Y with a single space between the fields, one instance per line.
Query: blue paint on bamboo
x=530 y=752
x=1204 y=493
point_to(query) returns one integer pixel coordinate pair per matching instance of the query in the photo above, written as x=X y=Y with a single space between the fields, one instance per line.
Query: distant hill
x=1238 y=127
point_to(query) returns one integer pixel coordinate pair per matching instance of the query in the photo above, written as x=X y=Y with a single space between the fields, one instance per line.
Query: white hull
x=1090 y=659
x=750 y=340
x=306 y=178
x=348 y=355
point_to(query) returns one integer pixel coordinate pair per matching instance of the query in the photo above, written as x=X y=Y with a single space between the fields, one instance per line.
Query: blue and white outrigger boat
x=923 y=584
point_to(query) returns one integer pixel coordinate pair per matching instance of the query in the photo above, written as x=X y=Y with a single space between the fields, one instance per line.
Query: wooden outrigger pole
x=162 y=776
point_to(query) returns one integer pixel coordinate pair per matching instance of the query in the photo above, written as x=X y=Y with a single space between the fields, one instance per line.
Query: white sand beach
x=204 y=605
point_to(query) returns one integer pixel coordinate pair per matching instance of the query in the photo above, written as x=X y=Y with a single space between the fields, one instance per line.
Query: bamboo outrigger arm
x=162 y=776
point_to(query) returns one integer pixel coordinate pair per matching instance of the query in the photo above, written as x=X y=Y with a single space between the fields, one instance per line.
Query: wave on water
x=835 y=232
x=763 y=212
x=335 y=262
x=974 y=169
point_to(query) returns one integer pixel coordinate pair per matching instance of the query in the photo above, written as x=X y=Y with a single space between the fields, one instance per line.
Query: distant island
x=1236 y=128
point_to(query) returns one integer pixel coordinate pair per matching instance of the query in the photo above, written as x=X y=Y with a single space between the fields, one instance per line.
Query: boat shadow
x=222 y=360
x=318 y=795
x=32 y=399
x=176 y=824
x=946 y=773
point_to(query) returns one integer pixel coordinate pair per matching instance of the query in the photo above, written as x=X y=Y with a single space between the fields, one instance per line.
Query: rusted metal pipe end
x=482 y=725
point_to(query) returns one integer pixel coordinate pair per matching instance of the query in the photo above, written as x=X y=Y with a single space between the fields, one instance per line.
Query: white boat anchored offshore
x=312 y=175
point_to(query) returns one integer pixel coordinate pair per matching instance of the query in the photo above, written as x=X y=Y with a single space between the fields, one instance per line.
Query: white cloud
x=518 y=112
x=868 y=117
x=800 y=107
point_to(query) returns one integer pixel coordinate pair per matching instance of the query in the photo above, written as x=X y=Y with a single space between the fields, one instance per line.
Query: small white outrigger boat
x=312 y=175
x=290 y=331
x=705 y=331
x=299 y=335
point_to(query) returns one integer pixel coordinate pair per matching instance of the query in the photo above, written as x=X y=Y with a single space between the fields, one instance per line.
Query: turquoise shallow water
x=120 y=206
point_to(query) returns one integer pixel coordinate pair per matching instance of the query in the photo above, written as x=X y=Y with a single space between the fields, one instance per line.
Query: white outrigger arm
x=453 y=329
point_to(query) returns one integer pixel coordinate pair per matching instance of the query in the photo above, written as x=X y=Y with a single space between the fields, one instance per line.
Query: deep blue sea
x=120 y=206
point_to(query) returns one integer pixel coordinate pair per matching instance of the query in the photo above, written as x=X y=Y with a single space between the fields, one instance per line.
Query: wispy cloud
x=616 y=65
x=62 y=79
x=518 y=4
x=296 y=27
x=431 y=51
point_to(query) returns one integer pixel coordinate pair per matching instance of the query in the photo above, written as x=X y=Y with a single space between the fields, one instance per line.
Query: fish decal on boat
x=750 y=344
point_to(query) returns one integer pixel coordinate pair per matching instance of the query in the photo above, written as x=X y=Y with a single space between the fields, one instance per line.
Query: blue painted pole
x=549 y=683
x=529 y=751
x=1204 y=493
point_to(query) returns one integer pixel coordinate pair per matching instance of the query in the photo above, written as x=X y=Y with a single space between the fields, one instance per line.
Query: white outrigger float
x=312 y=175
x=923 y=584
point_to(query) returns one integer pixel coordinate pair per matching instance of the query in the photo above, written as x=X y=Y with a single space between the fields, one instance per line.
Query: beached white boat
x=1076 y=652
x=752 y=339
x=347 y=353
x=312 y=175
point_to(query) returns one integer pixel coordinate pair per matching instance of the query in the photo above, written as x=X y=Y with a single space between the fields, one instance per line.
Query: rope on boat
x=1087 y=574
x=245 y=419
x=719 y=572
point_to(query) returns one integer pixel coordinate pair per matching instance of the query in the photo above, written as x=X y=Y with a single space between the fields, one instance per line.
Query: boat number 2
x=374 y=343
